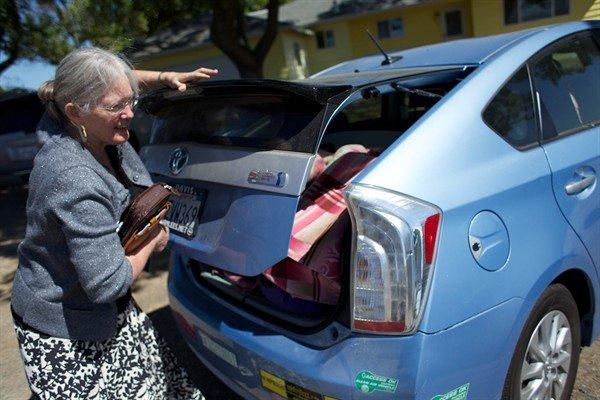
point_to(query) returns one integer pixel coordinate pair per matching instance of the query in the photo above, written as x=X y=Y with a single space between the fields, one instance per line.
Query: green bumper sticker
x=368 y=382
x=459 y=393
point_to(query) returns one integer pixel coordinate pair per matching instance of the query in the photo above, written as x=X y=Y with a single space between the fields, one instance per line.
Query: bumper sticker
x=219 y=350
x=288 y=390
x=368 y=382
x=459 y=393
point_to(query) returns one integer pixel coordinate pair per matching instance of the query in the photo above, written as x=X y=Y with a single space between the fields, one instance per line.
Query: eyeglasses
x=120 y=106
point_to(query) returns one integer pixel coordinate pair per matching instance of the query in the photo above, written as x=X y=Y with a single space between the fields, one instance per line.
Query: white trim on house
x=168 y=52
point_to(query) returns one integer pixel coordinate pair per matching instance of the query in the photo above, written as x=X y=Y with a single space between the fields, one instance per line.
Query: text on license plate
x=184 y=214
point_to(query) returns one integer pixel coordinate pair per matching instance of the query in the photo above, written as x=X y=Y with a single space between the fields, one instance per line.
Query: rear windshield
x=266 y=122
x=378 y=119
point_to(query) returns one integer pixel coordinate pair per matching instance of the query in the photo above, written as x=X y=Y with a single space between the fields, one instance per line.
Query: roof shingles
x=297 y=13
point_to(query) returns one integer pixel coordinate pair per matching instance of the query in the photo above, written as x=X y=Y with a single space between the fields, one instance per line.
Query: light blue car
x=471 y=266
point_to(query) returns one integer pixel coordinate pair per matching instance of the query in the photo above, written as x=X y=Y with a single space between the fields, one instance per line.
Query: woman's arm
x=150 y=80
x=82 y=203
x=158 y=243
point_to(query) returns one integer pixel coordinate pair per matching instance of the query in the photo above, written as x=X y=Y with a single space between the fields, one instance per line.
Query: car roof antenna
x=387 y=59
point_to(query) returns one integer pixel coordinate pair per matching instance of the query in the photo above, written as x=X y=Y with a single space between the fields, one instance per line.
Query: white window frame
x=462 y=23
x=297 y=52
x=388 y=22
x=520 y=17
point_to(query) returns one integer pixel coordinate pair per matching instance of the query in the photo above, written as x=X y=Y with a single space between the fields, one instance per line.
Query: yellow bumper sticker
x=288 y=390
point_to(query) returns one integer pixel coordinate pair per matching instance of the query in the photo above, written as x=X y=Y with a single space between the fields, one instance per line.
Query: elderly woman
x=80 y=333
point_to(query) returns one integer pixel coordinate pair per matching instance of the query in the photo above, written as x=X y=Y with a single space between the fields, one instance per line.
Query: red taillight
x=185 y=325
x=431 y=230
x=377 y=326
x=394 y=238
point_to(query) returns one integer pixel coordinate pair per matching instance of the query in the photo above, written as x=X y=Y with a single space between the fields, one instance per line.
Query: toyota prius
x=423 y=224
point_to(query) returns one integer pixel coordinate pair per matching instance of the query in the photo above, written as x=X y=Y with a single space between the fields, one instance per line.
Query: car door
x=18 y=142
x=566 y=80
x=241 y=153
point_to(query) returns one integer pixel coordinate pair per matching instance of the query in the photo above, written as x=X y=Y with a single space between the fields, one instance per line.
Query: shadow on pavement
x=211 y=386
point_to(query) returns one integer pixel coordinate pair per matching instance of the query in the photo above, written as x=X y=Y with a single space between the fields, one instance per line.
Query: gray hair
x=83 y=77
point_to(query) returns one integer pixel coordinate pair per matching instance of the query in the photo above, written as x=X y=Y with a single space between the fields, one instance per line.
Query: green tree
x=36 y=30
x=10 y=30
x=49 y=29
x=228 y=32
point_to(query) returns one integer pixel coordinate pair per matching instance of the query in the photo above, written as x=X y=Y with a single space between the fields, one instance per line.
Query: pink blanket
x=312 y=269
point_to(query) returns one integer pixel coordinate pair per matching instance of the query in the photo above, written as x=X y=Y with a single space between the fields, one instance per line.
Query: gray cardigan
x=72 y=267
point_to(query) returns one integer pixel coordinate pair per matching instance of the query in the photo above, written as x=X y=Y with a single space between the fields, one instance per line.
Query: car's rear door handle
x=580 y=185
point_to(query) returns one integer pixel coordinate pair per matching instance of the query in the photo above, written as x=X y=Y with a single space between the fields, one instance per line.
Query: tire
x=552 y=374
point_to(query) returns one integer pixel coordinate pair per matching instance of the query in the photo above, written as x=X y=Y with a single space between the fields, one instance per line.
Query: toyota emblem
x=178 y=160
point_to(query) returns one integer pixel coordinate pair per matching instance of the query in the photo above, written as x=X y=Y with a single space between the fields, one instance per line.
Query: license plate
x=184 y=214
x=219 y=350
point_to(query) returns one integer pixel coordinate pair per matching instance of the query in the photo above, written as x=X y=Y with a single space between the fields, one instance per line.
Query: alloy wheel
x=547 y=359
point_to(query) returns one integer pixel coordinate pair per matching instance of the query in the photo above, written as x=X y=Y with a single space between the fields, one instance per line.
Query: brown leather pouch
x=142 y=216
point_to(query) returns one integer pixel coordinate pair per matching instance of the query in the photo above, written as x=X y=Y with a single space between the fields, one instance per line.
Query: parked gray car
x=19 y=116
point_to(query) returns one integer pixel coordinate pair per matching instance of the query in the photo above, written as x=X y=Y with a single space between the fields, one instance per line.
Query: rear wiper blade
x=590 y=125
x=418 y=92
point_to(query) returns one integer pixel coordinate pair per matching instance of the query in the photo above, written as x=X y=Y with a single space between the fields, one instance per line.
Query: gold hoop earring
x=83 y=134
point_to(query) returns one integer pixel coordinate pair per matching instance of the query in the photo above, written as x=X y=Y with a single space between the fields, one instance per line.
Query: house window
x=297 y=54
x=390 y=28
x=325 y=39
x=453 y=23
x=529 y=10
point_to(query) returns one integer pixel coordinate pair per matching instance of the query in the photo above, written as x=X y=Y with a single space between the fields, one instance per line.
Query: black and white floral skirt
x=135 y=364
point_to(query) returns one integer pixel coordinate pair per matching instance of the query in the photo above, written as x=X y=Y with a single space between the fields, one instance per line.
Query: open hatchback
x=241 y=153
x=262 y=166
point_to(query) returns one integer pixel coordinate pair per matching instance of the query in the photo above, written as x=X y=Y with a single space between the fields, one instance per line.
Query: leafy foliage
x=49 y=29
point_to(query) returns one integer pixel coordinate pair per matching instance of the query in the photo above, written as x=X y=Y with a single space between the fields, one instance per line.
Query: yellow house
x=316 y=34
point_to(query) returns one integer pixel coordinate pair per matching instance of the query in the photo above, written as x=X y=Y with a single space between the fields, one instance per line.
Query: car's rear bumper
x=240 y=351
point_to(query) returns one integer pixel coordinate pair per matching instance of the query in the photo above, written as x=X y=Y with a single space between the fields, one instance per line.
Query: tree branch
x=14 y=35
x=8 y=62
x=224 y=33
x=241 y=24
x=228 y=32
x=268 y=38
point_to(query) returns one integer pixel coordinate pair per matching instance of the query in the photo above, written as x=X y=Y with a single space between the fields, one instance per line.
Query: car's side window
x=510 y=113
x=567 y=82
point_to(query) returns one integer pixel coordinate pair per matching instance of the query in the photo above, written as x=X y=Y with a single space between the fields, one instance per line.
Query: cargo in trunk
x=251 y=158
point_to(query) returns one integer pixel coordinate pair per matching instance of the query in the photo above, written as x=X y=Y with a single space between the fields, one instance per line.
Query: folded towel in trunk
x=311 y=273
x=312 y=270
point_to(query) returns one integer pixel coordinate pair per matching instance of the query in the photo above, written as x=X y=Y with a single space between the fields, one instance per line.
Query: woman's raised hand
x=178 y=80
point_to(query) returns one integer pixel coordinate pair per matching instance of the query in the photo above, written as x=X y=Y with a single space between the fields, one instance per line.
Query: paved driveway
x=150 y=293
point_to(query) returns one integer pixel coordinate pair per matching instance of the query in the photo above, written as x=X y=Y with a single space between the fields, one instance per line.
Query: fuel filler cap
x=488 y=240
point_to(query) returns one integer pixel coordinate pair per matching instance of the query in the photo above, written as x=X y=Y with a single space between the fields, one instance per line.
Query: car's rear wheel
x=544 y=365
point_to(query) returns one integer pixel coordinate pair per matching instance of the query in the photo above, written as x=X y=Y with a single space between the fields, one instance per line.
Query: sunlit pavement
x=151 y=294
